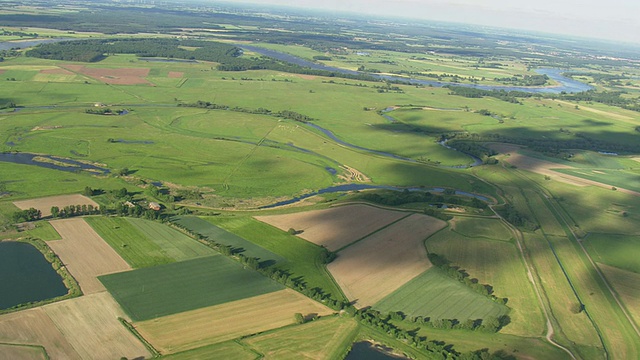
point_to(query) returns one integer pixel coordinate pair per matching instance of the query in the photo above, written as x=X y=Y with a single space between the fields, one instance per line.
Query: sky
x=601 y=19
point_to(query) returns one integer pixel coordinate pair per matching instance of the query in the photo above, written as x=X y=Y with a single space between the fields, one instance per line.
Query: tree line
x=284 y=114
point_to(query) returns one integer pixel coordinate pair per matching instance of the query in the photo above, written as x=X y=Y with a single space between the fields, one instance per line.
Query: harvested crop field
x=21 y=352
x=175 y=74
x=45 y=204
x=85 y=254
x=122 y=76
x=57 y=71
x=34 y=327
x=327 y=338
x=150 y=293
x=373 y=268
x=337 y=227
x=90 y=324
x=228 y=321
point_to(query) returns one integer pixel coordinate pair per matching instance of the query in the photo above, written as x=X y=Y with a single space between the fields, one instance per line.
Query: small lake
x=365 y=350
x=26 y=276
x=56 y=163
x=566 y=84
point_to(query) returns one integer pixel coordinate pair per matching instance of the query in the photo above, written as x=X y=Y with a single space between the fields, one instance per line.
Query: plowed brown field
x=372 y=268
x=85 y=253
x=122 y=76
x=45 y=204
x=192 y=329
x=336 y=227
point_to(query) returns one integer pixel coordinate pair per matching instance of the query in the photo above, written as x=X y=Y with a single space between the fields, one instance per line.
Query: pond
x=365 y=350
x=26 y=276
x=51 y=162
x=23 y=44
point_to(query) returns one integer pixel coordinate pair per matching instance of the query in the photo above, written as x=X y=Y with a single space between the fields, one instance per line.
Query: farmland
x=184 y=286
x=445 y=299
x=143 y=243
x=341 y=182
x=379 y=264
x=334 y=228
x=323 y=339
x=85 y=254
x=496 y=263
x=210 y=325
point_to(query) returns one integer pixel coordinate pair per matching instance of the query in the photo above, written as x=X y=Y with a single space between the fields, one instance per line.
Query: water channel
x=566 y=84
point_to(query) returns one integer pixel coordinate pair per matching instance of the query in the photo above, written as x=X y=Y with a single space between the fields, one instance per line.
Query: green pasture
x=496 y=263
x=435 y=295
x=473 y=227
x=44 y=231
x=225 y=237
x=27 y=181
x=465 y=340
x=301 y=258
x=620 y=251
x=192 y=284
x=619 y=178
x=596 y=209
x=325 y=338
x=144 y=243
x=230 y=350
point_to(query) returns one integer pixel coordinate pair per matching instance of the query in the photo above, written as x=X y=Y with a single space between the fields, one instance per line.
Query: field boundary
x=155 y=353
x=31 y=346
x=373 y=232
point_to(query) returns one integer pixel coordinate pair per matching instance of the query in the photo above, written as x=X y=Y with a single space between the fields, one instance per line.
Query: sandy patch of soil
x=352 y=175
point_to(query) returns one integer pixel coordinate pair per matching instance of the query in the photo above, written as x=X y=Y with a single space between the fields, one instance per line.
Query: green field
x=498 y=264
x=620 y=178
x=301 y=258
x=224 y=237
x=144 y=243
x=482 y=228
x=326 y=338
x=620 y=251
x=435 y=295
x=230 y=350
x=172 y=288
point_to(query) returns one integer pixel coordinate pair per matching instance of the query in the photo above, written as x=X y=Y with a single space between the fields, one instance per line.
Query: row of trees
x=30 y=214
x=284 y=114
x=462 y=276
x=437 y=349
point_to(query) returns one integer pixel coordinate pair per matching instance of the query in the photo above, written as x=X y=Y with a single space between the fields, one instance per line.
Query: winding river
x=566 y=84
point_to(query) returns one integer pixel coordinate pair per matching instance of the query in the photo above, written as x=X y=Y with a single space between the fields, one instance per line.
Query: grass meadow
x=143 y=243
x=435 y=295
x=301 y=258
x=225 y=237
x=183 y=286
x=497 y=263
x=615 y=250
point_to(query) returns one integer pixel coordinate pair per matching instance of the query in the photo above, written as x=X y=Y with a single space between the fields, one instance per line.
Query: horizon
x=588 y=20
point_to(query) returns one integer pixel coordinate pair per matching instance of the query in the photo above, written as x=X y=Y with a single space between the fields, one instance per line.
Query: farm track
x=599 y=281
x=530 y=271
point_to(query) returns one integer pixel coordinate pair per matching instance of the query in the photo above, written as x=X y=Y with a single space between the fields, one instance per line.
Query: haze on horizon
x=617 y=20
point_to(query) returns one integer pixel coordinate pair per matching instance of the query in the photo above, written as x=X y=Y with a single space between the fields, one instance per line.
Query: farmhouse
x=154 y=206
